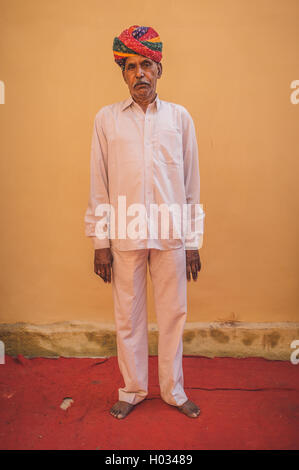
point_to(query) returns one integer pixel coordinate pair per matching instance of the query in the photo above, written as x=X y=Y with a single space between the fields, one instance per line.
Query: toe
x=121 y=409
x=114 y=411
x=190 y=409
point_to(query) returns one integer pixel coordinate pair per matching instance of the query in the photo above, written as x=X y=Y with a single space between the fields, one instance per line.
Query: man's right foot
x=189 y=409
x=121 y=409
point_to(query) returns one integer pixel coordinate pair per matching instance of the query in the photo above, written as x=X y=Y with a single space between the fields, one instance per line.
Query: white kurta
x=148 y=159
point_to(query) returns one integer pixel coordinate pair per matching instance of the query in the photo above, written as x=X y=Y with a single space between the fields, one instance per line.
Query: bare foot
x=121 y=409
x=190 y=409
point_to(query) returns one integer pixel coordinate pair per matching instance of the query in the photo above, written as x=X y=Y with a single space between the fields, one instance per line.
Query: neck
x=143 y=103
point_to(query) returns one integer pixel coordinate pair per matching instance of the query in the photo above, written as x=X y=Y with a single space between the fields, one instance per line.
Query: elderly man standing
x=144 y=149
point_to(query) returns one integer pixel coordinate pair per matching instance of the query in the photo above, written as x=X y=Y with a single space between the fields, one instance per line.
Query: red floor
x=245 y=404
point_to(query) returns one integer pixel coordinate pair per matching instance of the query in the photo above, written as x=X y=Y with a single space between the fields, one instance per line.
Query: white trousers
x=129 y=286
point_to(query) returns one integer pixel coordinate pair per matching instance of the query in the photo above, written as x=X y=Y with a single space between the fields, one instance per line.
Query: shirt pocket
x=169 y=146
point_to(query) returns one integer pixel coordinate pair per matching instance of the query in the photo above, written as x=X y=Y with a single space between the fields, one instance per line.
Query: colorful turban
x=140 y=40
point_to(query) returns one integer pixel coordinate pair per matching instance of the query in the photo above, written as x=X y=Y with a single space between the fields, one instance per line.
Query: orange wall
x=230 y=63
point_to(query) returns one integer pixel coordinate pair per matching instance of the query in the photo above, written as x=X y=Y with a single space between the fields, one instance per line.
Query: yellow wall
x=230 y=63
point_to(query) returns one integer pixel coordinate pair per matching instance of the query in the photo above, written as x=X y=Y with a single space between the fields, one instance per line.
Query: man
x=144 y=149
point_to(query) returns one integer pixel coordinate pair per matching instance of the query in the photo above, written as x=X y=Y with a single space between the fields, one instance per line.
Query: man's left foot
x=190 y=409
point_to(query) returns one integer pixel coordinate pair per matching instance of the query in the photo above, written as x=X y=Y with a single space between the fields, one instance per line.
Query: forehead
x=137 y=59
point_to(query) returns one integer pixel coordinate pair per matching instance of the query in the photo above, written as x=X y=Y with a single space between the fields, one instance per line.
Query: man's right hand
x=103 y=263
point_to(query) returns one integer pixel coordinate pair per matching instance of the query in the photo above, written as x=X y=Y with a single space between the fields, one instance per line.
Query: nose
x=139 y=71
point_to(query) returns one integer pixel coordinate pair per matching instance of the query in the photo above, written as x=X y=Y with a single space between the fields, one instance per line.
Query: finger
x=96 y=269
x=188 y=270
x=101 y=271
x=194 y=271
x=199 y=264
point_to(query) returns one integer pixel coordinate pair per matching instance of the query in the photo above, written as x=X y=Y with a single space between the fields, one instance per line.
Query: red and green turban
x=141 y=40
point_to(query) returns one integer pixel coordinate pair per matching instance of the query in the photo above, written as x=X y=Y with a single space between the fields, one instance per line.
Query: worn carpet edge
x=274 y=341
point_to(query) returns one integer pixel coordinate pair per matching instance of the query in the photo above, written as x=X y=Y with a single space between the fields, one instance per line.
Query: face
x=141 y=74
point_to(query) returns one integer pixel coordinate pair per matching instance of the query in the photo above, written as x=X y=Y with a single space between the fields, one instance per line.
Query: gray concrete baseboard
x=217 y=339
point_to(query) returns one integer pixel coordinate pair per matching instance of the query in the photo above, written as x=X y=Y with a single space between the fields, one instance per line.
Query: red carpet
x=245 y=404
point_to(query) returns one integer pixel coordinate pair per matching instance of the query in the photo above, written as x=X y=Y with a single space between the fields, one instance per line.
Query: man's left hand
x=193 y=264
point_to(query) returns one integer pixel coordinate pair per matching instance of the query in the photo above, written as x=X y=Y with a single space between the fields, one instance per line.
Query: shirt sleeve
x=194 y=215
x=96 y=219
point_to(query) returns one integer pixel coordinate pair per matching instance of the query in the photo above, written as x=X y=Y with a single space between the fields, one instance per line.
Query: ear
x=124 y=77
x=160 y=69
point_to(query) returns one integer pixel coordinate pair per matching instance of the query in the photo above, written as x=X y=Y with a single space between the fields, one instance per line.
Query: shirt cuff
x=194 y=243
x=98 y=244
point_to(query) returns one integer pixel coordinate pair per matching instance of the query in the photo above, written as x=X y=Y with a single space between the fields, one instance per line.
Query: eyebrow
x=145 y=60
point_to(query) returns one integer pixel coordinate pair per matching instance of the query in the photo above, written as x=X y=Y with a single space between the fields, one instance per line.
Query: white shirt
x=147 y=158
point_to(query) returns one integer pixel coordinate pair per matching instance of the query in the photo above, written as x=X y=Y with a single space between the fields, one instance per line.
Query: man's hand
x=102 y=263
x=192 y=264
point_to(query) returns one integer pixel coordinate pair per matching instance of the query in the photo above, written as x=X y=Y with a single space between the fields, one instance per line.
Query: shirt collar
x=130 y=100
